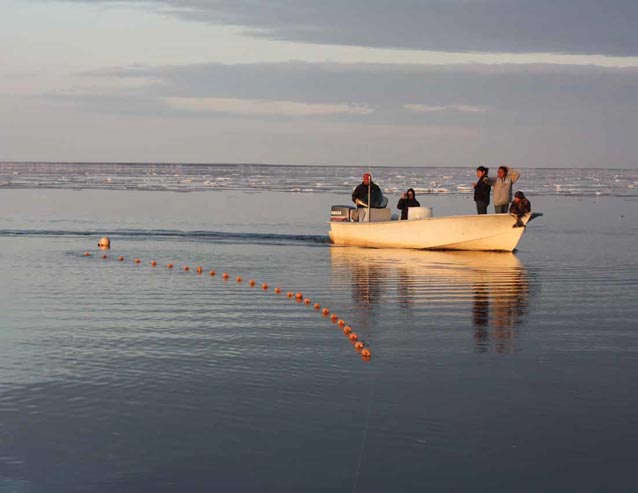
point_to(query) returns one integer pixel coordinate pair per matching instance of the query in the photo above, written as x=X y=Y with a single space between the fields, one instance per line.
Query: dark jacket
x=482 y=190
x=520 y=208
x=361 y=193
x=403 y=204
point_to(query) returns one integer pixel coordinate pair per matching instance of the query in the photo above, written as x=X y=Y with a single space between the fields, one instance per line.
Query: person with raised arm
x=502 y=186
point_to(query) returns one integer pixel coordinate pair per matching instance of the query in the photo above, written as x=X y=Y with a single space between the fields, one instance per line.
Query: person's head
x=481 y=171
x=518 y=196
x=104 y=243
x=367 y=177
x=410 y=193
x=502 y=171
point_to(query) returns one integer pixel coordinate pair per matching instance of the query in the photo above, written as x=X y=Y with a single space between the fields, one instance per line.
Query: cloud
x=533 y=114
x=495 y=26
x=393 y=91
x=258 y=107
x=462 y=108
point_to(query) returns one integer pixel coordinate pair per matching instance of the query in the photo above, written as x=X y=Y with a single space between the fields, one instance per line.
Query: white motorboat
x=486 y=232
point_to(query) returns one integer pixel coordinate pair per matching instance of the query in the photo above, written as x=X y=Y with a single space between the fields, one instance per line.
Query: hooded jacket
x=403 y=204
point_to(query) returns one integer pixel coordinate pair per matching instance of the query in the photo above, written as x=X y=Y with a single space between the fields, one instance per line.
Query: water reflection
x=492 y=288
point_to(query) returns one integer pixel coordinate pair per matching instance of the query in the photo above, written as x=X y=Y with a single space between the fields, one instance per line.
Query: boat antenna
x=369 y=184
x=369 y=188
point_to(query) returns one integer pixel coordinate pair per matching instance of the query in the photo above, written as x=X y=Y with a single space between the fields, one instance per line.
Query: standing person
x=363 y=191
x=408 y=199
x=482 y=190
x=503 y=188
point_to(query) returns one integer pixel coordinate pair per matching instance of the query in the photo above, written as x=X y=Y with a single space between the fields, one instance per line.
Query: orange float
x=347 y=330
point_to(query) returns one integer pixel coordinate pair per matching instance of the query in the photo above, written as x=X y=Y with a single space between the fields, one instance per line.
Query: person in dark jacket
x=520 y=206
x=408 y=199
x=362 y=191
x=482 y=190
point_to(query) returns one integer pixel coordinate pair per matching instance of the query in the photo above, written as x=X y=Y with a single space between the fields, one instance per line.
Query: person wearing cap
x=367 y=188
x=502 y=186
x=520 y=206
x=482 y=189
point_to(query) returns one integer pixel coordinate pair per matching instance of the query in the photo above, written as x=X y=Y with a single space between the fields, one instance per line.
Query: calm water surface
x=490 y=372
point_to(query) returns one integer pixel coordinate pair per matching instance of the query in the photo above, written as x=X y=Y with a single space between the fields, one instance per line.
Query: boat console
x=347 y=213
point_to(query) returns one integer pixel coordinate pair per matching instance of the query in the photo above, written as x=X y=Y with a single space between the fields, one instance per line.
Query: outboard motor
x=341 y=213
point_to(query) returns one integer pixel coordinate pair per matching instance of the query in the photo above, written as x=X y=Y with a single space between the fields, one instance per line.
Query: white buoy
x=104 y=243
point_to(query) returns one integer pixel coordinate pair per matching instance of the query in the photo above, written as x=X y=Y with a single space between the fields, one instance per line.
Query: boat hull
x=487 y=232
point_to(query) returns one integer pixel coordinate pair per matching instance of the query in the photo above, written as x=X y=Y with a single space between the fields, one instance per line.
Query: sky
x=548 y=83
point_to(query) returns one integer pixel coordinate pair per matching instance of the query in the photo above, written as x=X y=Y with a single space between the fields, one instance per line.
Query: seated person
x=520 y=206
x=408 y=199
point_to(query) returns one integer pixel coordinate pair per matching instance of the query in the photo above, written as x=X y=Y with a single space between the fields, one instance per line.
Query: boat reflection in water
x=490 y=290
